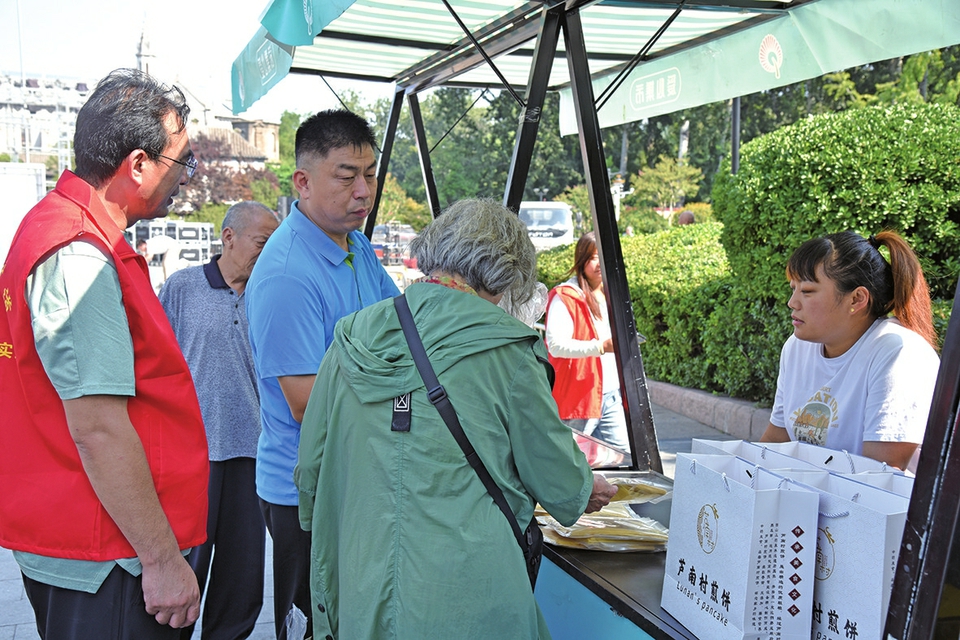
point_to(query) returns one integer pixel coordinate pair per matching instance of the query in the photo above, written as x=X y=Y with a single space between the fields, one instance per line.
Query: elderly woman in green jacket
x=407 y=543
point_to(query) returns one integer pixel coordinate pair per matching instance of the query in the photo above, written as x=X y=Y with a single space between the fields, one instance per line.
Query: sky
x=194 y=42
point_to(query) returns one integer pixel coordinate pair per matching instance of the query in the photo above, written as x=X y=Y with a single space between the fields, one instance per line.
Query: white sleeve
x=778 y=417
x=899 y=392
x=559 y=334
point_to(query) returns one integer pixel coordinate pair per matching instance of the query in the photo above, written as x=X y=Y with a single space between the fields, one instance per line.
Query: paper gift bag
x=829 y=459
x=896 y=483
x=807 y=454
x=718 y=447
x=741 y=552
x=858 y=540
x=758 y=454
x=755 y=453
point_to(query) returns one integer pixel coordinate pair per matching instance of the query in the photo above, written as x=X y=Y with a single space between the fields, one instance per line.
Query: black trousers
x=115 y=612
x=233 y=554
x=291 y=564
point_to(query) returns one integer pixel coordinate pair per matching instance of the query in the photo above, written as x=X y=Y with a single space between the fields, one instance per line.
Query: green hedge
x=674 y=278
x=864 y=170
x=711 y=298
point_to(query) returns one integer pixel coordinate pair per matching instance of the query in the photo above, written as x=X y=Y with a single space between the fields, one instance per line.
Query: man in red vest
x=103 y=457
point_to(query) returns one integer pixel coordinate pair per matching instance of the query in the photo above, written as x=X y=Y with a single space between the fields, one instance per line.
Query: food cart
x=625 y=60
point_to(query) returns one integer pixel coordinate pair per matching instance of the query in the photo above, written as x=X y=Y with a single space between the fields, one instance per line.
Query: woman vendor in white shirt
x=859 y=370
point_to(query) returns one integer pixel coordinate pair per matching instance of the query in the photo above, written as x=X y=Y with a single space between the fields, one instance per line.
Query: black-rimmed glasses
x=191 y=164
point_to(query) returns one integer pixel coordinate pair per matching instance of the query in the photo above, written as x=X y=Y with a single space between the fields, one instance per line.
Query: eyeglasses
x=191 y=164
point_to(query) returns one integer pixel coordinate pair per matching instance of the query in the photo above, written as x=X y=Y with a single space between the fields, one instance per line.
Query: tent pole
x=543 y=56
x=735 y=136
x=386 y=149
x=423 y=150
x=633 y=381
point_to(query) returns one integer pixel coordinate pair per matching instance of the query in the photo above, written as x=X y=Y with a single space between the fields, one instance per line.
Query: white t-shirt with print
x=879 y=390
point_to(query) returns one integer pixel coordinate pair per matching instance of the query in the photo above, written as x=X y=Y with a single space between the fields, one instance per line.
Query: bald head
x=245 y=230
x=242 y=214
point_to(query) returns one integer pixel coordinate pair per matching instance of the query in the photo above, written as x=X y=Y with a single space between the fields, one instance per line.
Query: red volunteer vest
x=578 y=389
x=47 y=505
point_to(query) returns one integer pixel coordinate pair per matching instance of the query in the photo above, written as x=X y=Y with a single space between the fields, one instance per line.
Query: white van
x=549 y=224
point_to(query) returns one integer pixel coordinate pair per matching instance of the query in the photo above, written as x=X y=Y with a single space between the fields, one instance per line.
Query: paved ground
x=674 y=432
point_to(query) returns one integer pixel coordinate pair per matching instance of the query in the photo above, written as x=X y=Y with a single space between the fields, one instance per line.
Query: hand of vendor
x=607 y=346
x=602 y=492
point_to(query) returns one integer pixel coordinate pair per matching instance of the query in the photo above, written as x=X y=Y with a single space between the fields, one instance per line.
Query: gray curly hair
x=485 y=243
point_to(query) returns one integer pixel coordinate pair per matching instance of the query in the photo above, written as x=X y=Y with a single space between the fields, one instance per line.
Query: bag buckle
x=436 y=394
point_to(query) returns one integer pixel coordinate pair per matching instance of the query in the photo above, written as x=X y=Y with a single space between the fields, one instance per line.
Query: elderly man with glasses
x=103 y=457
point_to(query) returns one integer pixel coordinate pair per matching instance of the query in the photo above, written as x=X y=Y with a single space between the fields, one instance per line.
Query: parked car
x=549 y=224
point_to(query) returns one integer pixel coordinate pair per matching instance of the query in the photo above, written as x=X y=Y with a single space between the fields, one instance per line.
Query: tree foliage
x=579 y=200
x=666 y=184
x=471 y=133
x=289 y=123
x=217 y=181
x=397 y=206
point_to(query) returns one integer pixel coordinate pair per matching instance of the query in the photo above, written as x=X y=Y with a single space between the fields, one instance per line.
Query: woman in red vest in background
x=587 y=388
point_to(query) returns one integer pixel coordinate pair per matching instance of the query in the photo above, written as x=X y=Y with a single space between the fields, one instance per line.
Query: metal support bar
x=423 y=150
x=387 y=148
x=480 y=96
x=613 y=86
x=498 y=37
x=483 y=53
x=633 y=381
x=735 y=136
x=529 y=124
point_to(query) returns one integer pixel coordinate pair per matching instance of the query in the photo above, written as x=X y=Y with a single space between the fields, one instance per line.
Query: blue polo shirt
x=303 y=282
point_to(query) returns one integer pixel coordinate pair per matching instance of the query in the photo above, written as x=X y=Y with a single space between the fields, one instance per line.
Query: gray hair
x=483 y=242
x=241 y=214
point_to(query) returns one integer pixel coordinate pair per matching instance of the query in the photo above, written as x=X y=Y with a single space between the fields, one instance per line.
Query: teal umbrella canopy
x=693 y=52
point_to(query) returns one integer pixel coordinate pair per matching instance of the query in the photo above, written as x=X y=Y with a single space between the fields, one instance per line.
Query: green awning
x=262 y=64
x=711 y=49
x=403 y=43
x=806 y=42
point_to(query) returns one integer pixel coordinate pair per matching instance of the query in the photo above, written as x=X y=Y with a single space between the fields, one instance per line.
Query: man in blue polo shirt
x=316 y=268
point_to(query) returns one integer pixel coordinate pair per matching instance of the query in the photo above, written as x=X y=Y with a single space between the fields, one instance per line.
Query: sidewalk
x=674 y=432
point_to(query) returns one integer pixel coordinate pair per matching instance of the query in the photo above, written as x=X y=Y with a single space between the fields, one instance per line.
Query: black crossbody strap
x=438 y=397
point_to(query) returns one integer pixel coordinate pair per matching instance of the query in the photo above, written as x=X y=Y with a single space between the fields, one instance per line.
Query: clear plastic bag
x=635 y=490
x=614 y=528
x=296 y=624
x=531 y=310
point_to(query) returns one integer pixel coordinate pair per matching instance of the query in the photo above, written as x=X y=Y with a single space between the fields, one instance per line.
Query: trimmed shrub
x=553 y=265
x=644 y=220
x=674 y=278
x=702 y=212
x=864 y=170
x=742 y=338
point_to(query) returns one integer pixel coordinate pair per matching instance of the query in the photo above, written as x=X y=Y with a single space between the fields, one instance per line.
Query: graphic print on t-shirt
x=812 y=421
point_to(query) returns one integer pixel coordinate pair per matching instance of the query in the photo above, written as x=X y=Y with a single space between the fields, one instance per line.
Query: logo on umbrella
x=771 y=55
x=308 y=16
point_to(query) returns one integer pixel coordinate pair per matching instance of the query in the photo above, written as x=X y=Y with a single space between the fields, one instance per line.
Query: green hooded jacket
x=406 y=541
